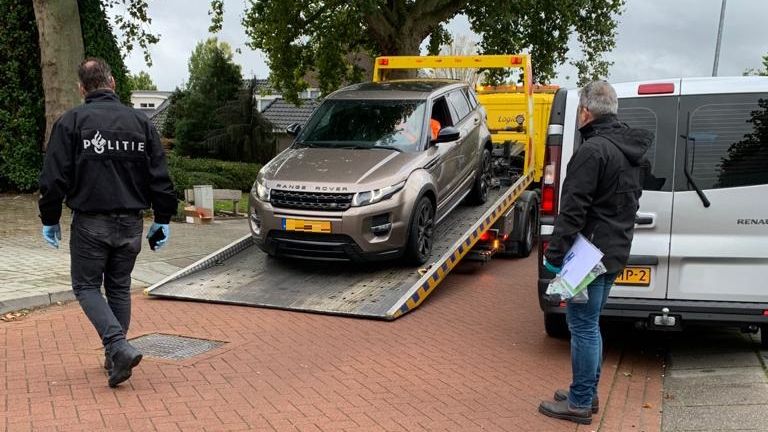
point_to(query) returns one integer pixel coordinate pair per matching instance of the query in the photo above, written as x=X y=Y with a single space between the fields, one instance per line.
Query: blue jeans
x=586 y=342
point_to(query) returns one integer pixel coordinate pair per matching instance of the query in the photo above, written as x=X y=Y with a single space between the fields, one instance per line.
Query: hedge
x=187 y=172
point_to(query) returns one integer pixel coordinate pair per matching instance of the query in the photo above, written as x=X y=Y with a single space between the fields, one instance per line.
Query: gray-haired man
x=600 y=197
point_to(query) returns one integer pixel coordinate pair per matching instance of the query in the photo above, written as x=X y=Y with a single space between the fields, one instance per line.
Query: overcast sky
x=656 y=39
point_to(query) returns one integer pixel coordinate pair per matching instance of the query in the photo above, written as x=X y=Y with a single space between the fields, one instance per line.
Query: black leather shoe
x=107 y=361
x=563 y=411
x=124 y=358
x=562 y=395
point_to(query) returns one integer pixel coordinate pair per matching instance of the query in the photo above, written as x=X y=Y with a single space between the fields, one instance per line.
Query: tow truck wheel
x=764 y=336
x=479 y=193
x=556 y=326
x=421 y=233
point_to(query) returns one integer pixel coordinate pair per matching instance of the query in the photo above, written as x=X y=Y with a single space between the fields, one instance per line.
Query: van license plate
x=302 y=225
x=638 y=276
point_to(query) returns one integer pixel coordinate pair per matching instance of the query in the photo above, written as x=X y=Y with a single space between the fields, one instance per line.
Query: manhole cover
x=173 y=347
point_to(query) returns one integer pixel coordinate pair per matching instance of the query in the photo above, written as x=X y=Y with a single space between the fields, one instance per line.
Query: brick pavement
x=474 y=357
x=34 y=274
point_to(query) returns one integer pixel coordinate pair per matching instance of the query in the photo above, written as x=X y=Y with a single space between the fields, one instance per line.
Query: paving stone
x=714 y=376
x=694 y=393
x=720 y=418
x=715 y=360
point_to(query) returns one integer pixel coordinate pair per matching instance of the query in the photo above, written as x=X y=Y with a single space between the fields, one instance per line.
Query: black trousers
x=103 y=249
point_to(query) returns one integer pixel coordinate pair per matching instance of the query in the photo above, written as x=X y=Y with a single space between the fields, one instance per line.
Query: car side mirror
x=447 y=134
x=293 y=130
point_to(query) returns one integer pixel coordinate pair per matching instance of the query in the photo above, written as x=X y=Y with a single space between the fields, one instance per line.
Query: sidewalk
x=33 y=274
x=474 y=357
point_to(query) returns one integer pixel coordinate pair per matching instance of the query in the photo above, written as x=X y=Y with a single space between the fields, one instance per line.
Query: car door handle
x=645 y=219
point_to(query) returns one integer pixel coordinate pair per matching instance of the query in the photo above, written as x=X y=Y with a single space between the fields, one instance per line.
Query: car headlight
x=374 y=196
x=260 y=191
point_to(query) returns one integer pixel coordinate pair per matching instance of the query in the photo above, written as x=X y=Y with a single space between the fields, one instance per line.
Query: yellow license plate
x=302 y=225
x=639 y=276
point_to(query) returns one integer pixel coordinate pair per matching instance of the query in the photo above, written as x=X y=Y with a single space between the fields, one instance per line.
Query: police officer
x=106 y=160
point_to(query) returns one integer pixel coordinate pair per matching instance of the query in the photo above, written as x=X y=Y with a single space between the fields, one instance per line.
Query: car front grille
x=311 y=200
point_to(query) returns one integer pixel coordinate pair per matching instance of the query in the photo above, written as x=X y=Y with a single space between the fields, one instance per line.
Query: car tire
x=421 y=232
x=556 y=326
x=479 y=193
x=764 y=336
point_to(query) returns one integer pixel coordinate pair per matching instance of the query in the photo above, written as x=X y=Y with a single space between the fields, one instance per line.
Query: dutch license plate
x=639 y=276
x=302 y=225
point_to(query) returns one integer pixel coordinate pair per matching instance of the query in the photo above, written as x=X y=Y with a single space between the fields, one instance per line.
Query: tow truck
x=242 y=274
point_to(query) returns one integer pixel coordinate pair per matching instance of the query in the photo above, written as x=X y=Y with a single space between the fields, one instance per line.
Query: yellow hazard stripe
x=440 y=270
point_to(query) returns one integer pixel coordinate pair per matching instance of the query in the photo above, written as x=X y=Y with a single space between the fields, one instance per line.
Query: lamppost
x=719 y=38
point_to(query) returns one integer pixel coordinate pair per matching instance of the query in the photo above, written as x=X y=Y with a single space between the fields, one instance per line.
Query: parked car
x=700 y=249
x=376 y=167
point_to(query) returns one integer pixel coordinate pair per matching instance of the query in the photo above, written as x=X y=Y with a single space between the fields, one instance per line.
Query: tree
x=61 y=50
x=99 y=41
x=299 y=36
x=22 y=112
x=214 y=79
x=141 y=81
x=245 y=135
x=62 y=47
x=760 y=72
x=462 y=45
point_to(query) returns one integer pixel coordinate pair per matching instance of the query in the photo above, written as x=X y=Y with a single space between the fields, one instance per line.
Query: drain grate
x=173 y=347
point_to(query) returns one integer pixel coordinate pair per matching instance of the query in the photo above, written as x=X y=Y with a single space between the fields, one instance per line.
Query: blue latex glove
x=166 y=230
x=551 y=267
x=52 y=234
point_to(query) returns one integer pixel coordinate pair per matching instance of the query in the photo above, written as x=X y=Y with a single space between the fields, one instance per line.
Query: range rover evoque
x=376 y=167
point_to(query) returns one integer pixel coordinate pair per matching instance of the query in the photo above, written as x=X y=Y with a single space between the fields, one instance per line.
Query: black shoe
x=124 y=358
x=563 y=411
x=107 y=361
x=562 y=395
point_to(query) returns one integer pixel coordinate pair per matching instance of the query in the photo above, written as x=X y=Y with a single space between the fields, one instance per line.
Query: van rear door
x=647 y=270
x=720 y=252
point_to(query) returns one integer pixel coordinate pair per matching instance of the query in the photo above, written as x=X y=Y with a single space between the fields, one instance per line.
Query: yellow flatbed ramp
x=244 y=275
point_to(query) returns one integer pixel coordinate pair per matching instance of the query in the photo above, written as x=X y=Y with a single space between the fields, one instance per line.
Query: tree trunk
x=61 y=51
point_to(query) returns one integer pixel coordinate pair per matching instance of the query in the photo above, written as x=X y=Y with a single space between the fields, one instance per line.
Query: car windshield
x=392 y=124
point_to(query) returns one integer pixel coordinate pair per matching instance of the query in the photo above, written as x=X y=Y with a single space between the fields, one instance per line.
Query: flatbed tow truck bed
x=242 y=274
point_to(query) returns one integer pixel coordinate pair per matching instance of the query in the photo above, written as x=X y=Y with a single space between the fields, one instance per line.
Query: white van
x=700 y=250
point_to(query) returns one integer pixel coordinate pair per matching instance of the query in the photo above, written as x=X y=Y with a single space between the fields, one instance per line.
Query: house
x=282 y=114
x=148 y=101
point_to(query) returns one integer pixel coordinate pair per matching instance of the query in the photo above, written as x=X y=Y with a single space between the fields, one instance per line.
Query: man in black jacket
x=600 y=197
x=106 y=160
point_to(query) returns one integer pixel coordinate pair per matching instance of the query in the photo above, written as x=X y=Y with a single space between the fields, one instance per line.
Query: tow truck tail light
x=765 y=313
x=383 y=61
x=485 y=236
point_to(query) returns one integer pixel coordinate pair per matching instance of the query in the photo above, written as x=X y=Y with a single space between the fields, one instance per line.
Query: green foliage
x=141 y=81
x=99 y=41
x=187 y=173
x=245 y=135
x=21 y=97
x=133 y=23
x=168 y=128
x=760 y=72
x=214 y=80
x=301 y=36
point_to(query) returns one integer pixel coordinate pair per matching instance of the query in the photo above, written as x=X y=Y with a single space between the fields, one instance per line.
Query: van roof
x=698 y=85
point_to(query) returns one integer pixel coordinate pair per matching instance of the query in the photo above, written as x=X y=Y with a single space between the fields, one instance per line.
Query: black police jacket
x=601 y=191
x=105 y=157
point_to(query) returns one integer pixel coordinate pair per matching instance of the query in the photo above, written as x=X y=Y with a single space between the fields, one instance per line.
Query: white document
x=581 y=258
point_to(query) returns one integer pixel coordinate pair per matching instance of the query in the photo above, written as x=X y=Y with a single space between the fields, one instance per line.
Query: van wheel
x=421 y=233
x=764 y=336
x=479 y=193
x=556 y=326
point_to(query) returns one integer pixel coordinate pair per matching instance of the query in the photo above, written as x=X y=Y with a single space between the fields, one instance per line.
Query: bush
x=187 y=173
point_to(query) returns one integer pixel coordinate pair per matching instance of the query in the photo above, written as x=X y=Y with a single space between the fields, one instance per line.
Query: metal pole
x=719 y=38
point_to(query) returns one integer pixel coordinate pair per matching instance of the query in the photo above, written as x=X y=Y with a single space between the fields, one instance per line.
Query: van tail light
x=656 y=88
x=550 y=181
